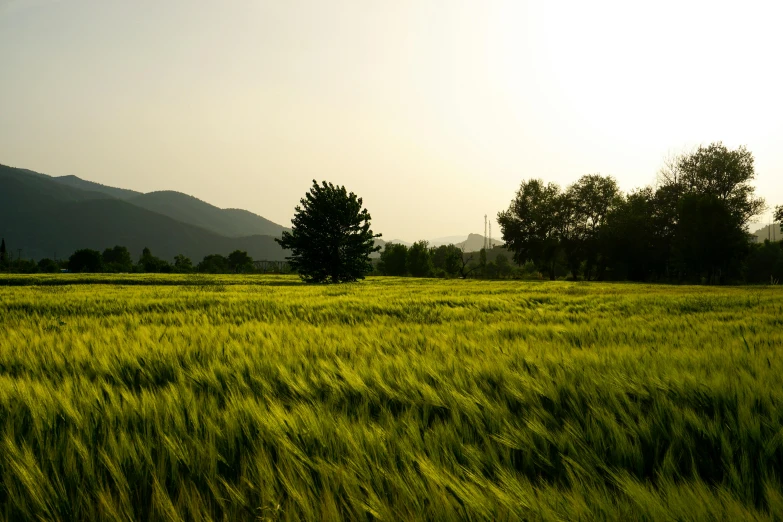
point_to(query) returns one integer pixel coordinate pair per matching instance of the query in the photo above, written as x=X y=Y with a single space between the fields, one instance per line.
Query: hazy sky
x=432 y=111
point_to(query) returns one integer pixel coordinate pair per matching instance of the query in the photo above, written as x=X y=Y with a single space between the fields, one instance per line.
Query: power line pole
x=485 y=231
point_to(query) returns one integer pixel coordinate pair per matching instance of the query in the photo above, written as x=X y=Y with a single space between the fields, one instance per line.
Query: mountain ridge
x=45 y=218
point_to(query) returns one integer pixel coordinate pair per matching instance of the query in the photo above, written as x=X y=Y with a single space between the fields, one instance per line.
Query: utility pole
x=485 y=231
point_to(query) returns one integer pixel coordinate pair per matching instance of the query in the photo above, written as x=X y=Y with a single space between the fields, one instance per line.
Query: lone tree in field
x=330 y=240
x=2 y=251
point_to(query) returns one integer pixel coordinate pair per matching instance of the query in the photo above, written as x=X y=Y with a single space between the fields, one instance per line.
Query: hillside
x=475 y=242
x=79 y=183
x=45 y=218
x=187 y=209
x=771 y=232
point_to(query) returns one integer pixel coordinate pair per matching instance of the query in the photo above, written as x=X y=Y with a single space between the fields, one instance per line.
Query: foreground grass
x=234 y=398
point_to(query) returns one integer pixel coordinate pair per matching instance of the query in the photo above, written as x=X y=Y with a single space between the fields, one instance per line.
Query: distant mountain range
x=53 y=216
x=771 y=232
x=45 y=216
x=469 y=243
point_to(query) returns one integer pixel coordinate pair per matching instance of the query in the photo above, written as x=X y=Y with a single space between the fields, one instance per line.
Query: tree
x=503 y=265
x=710 y=242
x=152 y=264
x=778 y=216
x=419 y=262
x=330 y=238
x=764 y=264
x=394 y=260
x=239 y=261
x=117 y=259
x=48 y=266
x=447 y=258
x=85 y=260
x=533 y=224
x=630 y=239
x=586 y=206
x=716 y=171
x=3 y=253
x=183 y=264
x=213 y=264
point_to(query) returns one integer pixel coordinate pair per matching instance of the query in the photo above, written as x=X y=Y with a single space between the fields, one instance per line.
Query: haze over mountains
x=468 y=243
x=47 y=216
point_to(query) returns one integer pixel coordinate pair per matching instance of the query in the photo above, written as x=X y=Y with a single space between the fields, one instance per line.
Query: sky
x=433 y=112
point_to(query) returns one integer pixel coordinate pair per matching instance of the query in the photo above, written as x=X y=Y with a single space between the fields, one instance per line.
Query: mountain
x=45 y=218
x=231 y=222
x=79 y=183
x=469 y=243
x=475 y=242
x=187 y=209
x=448 y=240
x=773 y=232
x=400 y=242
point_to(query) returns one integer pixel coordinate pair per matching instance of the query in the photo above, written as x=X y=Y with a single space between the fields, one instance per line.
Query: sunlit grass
x=257 y=397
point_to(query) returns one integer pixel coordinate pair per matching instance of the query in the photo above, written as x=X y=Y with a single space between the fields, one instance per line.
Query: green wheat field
x=261 y=398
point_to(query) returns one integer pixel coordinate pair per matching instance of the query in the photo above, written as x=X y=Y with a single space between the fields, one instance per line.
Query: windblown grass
x=258 y=398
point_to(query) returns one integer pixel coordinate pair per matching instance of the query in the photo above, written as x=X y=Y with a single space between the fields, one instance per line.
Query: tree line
x=421 y=260
x=691 y=227
x=118 y=260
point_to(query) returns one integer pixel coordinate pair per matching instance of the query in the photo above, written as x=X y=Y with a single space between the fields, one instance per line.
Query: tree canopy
x=692 y=226
x=330 y=238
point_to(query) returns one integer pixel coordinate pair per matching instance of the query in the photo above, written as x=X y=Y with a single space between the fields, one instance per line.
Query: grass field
x=259 y=398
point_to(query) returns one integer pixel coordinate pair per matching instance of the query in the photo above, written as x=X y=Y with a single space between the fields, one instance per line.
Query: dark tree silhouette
x=117 y=259
x=419 y=262
x=330 y=238
x=533 y=225
x=779 y=214
x=153 y=265
x=85 y=260
x=394 y=260
x=239 y=261
x=447 y=258
x=183 y=264
x=3 y=255
x=213 y=264
x=48 y=266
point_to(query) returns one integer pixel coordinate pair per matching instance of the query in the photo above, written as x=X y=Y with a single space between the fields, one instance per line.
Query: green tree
x=85 y=260
x=183 y=264
x=447 y=258
x=239 y=261
x=330 y=238
x=586 y=207
x=394 y=260
x=419 y=262
x=117 y=259
x=504 y=268
x=719 y=172
x=48 y=266
x=533 y=225
x=153 y=265
x=214 y=264
x=778 y=214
